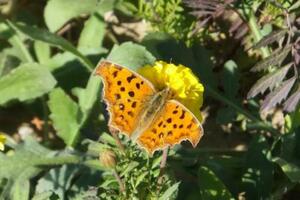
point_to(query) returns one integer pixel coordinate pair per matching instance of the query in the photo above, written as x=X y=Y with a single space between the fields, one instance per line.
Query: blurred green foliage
x=48 y=52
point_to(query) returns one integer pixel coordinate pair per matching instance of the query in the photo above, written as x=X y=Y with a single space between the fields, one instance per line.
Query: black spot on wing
x=131 y=93
x=129 y=78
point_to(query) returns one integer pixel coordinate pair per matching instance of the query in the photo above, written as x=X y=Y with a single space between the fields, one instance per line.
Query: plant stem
x=252 y=22
x=119 y=143
x=258 y=123
x=163 y=163
x=118 y=178
x=231 y=104
x=45 y=116
x=71 y=159
x=18 y=43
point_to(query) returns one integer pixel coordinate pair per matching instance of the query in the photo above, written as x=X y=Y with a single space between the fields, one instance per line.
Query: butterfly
x=149 y=117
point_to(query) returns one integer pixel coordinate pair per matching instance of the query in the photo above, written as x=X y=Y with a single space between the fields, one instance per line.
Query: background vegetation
x=58 y=147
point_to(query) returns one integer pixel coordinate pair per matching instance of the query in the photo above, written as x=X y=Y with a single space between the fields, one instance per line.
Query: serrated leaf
x=291 y=170
x=132 y=165
x=65 y=115
x=52 y=39
x=58 y=12
x=270 y=38
x=26 y=82
x=275 y=58
x=170 y=192
x=292 y=102
x=211 y=187
x=140 y=178
x=278 y=94
x=295 y=6
x=268 y=81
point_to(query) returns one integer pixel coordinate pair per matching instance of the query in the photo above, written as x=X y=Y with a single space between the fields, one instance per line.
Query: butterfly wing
x=173 y=124
x=124 y=93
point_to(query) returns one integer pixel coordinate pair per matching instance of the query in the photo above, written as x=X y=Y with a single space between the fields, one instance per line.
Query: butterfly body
x=153 y=106
x=151 y=118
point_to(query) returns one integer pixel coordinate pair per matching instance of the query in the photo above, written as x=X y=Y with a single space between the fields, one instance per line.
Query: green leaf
x=295 y=6
x=211 y=187
x=26 y=82
x=25 y=157
x=57 y=180
x=291 y=170
x=131 y=55
x=230 y=79
x=93 y=32
x=65 y=115
x=94 y=28
x=225 y=115
x=61 y=60
x=295 y=118
x=58 y=12
x=132 y=165
x=18 y=46
x=46 y=196
x=258 y=171
x=52 y=39
x=3 y=58
x=21 y=166
x=20 y=189
x=42 y=51
x=170 y=192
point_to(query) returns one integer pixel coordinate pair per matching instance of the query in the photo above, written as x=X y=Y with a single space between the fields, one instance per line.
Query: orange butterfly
x=151 y=118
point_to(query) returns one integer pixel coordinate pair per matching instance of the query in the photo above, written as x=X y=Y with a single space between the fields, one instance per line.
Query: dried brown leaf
x=270 y=38
x=275 y=58
x=278 y=94
x=292 y=102
x=268 y=81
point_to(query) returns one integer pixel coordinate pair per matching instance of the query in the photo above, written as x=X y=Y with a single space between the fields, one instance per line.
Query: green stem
x=258 y=123
x=18 y=43
x=45 y=116
x=227 y=101
x=71 y=159
x=252 y=22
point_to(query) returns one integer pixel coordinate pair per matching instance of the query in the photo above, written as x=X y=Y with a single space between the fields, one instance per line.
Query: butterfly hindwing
x=174 y=124
x=125 y=93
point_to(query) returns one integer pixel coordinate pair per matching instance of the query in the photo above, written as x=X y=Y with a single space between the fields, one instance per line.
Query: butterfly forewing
x=125 y=93
x=173 y=124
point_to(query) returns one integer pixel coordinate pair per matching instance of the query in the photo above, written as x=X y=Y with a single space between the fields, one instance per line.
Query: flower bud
x=107 y=158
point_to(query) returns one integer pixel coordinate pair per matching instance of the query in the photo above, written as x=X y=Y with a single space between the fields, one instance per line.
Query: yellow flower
x=2 y=141
x=185 y=85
